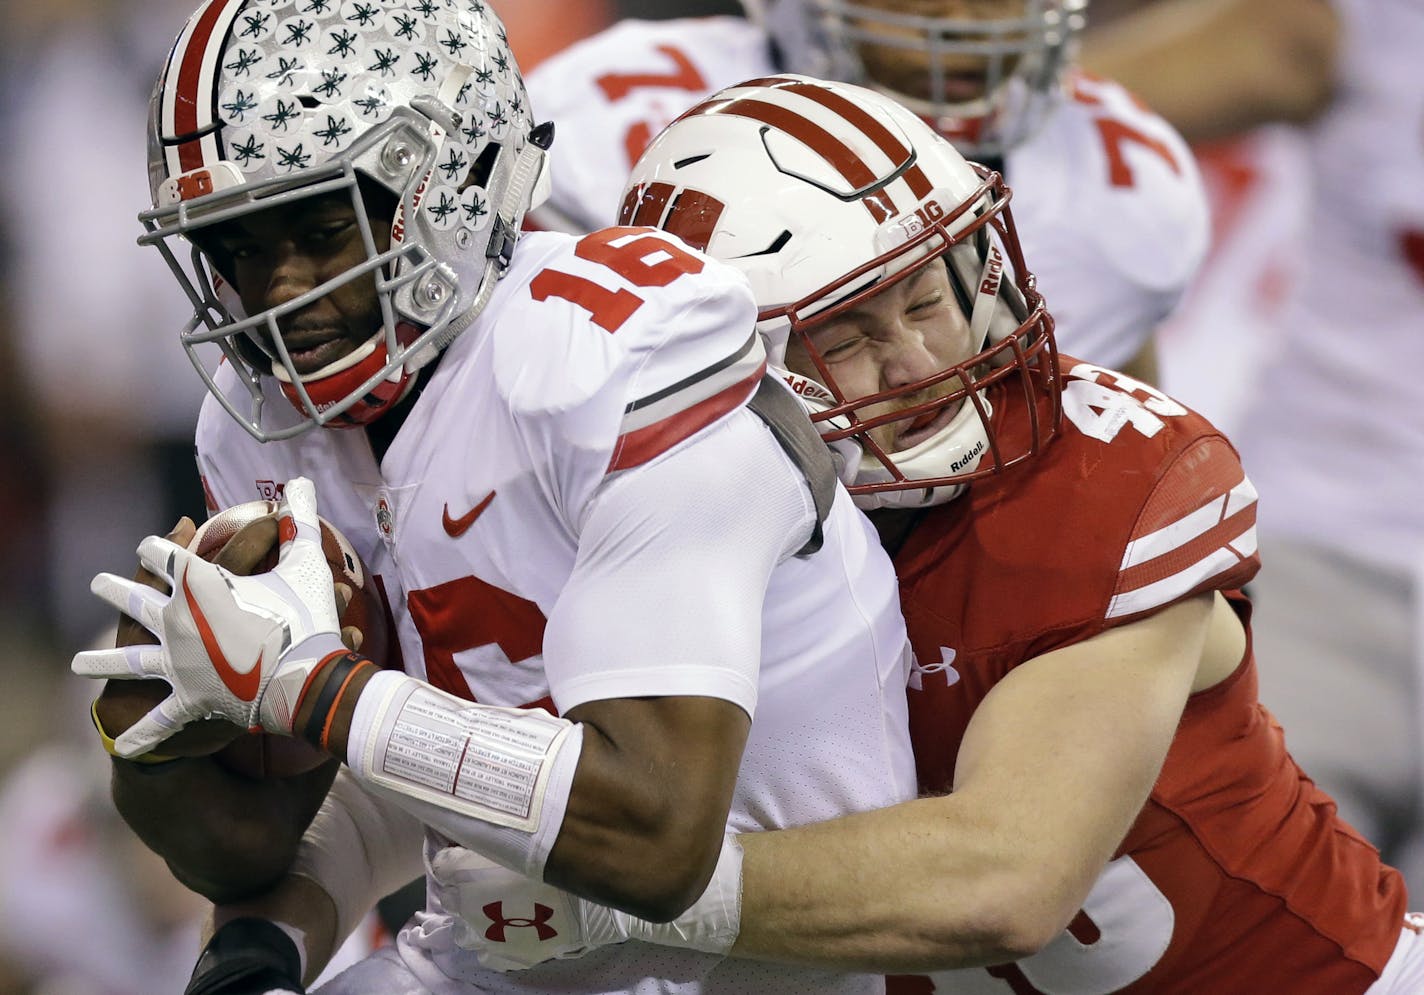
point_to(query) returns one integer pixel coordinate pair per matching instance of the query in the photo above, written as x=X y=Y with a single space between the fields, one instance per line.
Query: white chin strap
x=959 y=447
x=335 y=366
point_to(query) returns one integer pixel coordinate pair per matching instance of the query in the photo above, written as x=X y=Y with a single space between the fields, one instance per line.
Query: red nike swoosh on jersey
x=456 y=527
x=243 y=685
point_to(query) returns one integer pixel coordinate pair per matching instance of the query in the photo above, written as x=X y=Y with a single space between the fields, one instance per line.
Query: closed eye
x=927 y=303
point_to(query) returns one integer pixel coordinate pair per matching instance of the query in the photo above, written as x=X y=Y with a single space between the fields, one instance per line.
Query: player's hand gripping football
x=237 y=648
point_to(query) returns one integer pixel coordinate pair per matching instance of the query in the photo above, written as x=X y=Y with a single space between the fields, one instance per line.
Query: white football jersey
x=1334 y=433
x=1210 y=349
x=1107 y=199
x=495 y=526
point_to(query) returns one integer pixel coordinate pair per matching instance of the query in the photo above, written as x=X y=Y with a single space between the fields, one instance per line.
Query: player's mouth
x=925 y=426
x=313 y=349
x=956 y=85
x=962 y=87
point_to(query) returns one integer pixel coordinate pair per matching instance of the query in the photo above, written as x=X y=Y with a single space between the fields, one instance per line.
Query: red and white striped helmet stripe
x=857 y=145
x=190 y=88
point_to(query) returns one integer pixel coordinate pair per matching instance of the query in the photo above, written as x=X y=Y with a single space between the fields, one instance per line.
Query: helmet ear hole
x=483 y=167
x=209 y=242
x=379 y=201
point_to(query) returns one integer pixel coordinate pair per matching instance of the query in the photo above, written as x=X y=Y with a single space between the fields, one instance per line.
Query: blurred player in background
x=1124 y=816
x=551 y=486
x=1329 y=414
x=1234 y=77
x=1107 y=193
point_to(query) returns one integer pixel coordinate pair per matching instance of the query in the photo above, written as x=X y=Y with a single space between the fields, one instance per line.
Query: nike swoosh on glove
x=237 y=648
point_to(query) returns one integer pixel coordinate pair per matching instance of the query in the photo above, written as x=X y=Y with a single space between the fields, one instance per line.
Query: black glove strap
x=338 y=676
x=247 y=956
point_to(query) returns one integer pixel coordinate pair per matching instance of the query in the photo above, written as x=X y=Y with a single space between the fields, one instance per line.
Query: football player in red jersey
x=1109 y=807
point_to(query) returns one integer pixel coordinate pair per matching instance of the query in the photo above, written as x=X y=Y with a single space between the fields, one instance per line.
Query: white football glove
x=237 y=648
x=514 y=922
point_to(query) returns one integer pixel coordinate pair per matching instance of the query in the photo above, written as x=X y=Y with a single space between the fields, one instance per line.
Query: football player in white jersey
x=543 y=448
x=1107 y=193
x=1332 y=433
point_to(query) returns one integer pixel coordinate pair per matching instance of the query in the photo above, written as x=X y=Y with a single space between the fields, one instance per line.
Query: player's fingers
x=130 y=631
x=139 y=602
x=296 y=513
x=245 y=551
x=162 y=556
x=351 y=636
x=343 y=595
x=181 y=534
x=151 y=730
x=122 y=663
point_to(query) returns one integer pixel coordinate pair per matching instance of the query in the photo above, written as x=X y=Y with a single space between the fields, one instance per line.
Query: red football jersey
x=1237 y=877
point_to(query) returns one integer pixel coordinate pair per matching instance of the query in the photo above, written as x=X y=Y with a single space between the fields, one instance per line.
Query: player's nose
x=293 y=273
x=908 y=359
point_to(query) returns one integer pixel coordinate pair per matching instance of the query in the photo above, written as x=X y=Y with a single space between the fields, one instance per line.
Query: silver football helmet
x=824 y=194
x=265 y=102
x=982 y=72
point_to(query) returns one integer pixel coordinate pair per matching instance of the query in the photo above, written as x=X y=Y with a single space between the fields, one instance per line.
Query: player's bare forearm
x=224 y=836
x=1214 y=68
x=649 y=803
x=881 y=891
x=994 y=871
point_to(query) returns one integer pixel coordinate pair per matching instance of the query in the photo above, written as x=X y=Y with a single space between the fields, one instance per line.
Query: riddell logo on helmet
x=398 y=226
x=806 y=387
x=970 y=457
x=993 y=273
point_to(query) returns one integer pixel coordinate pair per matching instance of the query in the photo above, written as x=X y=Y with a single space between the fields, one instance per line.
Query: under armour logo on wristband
x=540 y=922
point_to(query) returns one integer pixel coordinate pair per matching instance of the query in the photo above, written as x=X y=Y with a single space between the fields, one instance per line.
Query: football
x=260 y=754
x=243 y=539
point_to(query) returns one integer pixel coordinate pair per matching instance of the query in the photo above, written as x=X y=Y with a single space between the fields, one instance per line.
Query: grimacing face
x=272 y=256
x=906 y=71
x=908 y=332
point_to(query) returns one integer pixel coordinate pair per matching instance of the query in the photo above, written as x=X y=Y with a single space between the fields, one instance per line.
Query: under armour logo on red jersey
x=945 y=666
x=499 y=922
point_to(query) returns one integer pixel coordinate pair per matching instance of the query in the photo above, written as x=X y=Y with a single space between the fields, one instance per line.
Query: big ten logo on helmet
x=270 y=490
x=198 y=182
x=922 y=217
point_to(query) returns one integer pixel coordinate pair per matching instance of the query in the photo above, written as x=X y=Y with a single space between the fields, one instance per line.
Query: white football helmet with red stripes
x=265 y=102
x=824 y=194
x=982 y=73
